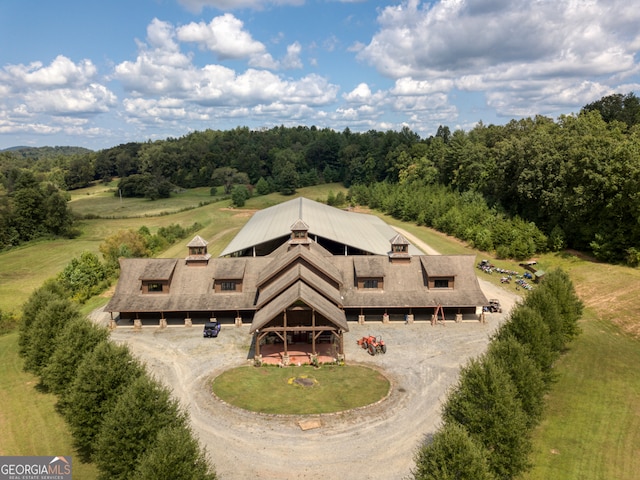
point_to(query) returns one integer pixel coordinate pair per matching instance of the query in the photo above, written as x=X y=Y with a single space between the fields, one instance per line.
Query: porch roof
x=299 y=291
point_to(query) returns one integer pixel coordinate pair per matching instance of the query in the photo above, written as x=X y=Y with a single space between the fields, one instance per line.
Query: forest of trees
x=576 y=178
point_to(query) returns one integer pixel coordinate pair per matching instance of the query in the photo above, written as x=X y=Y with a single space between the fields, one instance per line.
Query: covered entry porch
x=299 y=334
x=297 y=352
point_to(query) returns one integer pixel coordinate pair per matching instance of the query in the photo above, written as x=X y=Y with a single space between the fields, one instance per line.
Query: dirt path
x=377 y=442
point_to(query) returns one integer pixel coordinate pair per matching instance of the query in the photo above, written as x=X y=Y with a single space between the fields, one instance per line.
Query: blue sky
x=99 y=73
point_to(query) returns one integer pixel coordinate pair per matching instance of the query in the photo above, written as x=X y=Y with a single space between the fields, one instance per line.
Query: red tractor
x=373 y=345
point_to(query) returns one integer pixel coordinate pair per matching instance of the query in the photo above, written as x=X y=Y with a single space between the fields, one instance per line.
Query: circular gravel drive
x=374 y=442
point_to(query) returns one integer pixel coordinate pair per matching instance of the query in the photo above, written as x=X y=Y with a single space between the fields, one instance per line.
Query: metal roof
x=359 y=230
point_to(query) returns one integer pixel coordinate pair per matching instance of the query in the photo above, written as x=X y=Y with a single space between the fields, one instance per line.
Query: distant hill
x=36 y=153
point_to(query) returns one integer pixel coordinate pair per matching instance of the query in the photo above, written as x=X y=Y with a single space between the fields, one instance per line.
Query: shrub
x=452 y=455
x=102 y=376
x=143 y=409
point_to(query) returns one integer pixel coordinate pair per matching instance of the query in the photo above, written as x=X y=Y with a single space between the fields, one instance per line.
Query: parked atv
x=373 y=345
x=494 y=306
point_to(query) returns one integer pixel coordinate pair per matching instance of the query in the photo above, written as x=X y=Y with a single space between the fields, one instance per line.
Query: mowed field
x=591 y=429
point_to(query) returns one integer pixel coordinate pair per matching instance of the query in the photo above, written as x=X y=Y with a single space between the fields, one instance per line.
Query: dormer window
x=370 y=283
x=229 y=275
x=369 y=272
x=154 y=287
x=228 y=286
x=156 y=277
x=441 y=283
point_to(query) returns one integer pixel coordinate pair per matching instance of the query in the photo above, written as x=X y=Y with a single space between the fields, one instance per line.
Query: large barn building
x=299 y=272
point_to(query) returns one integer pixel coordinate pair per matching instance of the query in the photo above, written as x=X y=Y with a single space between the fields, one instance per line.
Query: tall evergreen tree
x=485 y=403
x=44 y=332
x=513 y=357
x=78 y=337
x=37 y=302
x=175 y=454
x=542 y=301
x=571 y=307
x=452 y=455
x=144 y=408
x=102 y=376
x=528 y=328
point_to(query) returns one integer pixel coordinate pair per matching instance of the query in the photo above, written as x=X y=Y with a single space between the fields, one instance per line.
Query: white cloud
x=531 y=98
x=10 y=127
x=60 y=73
x=360 y=94
x=226 y=5
x=224 y=36
x=409 y=86
x=93 y=98
x=162 y=70
x=263 y=61
x=159 y=67
x=61 y=89
x=496 y=45
x=165 y=84
x=160 y=110
x=292 y=59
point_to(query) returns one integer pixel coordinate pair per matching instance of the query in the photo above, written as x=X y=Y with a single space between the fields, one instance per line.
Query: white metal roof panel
x=359 y=230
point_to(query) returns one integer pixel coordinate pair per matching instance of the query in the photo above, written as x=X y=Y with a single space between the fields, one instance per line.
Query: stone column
x=163 y=322
x=360 y=319
x=188 y=322
x=385 y=318
x=410 y=318
x=238 y=321
x=137 y=324
x=458 y=317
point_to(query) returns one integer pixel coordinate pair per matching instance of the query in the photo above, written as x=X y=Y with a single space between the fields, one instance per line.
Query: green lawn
x=101 y=201
x=29 y=422
x=591 y=427
x=283 y=390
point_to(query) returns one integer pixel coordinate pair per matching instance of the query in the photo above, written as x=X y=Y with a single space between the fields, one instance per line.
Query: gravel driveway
x=376 y=442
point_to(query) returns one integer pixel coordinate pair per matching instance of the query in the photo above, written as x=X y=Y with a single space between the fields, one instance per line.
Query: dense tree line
x=499 y=397
x=463 y=215
x=30 y=209
x=120 y=418
x=576 y=177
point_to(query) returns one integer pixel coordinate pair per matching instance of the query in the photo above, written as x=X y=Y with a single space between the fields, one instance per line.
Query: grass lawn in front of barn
x=303 y=390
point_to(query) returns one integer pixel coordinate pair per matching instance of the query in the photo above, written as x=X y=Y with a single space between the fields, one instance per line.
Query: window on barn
x=155 y=287
x=228 y=286
x=370 y=283
x=441 y=283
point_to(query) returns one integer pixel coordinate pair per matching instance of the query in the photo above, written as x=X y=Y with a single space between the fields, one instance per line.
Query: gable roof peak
x=399 y=239
x=198 y=241
x=299 y=225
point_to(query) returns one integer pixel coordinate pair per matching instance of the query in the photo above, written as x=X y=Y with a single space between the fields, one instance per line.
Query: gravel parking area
x=375 y=442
